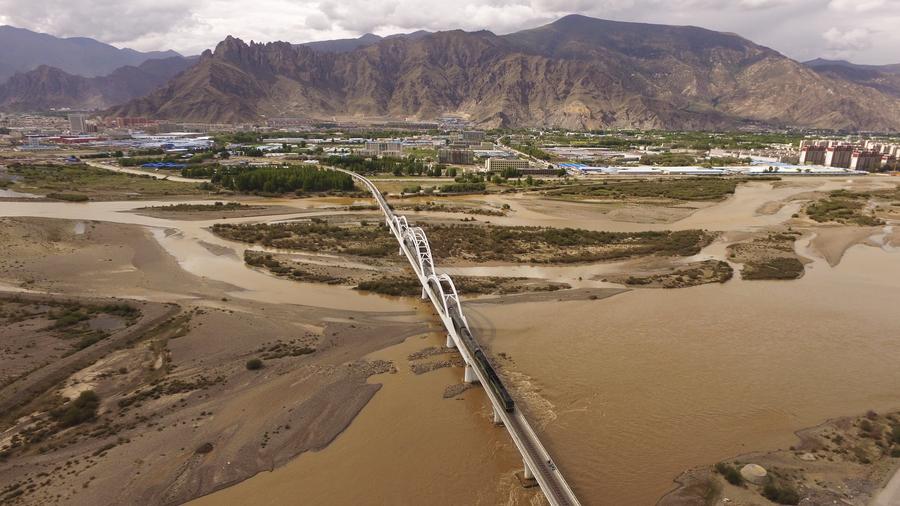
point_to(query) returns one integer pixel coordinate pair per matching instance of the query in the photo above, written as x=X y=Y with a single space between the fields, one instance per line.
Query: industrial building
x=77 y=123
x=813 y=155
x=383 y=148
x=838 y=156
x=456 y=156
x=472 y=136
x=869 y=161
x=538 y=171
x=868 y=156
x=499 y=164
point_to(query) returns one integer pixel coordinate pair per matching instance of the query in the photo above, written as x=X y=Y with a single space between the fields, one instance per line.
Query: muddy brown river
x=626 y=392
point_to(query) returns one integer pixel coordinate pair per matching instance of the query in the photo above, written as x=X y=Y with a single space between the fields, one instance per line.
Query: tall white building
x=77 y=123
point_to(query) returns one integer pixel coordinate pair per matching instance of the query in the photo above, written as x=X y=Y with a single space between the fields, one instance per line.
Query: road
x=540 y=163
x=139 y=172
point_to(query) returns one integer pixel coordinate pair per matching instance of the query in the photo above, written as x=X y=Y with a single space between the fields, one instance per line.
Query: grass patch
x=558 y=245
x=59 y=179
x=463 y=188
x=695 y=188
x=843 y=207
x=470 y=242
x=708 y=271
x=295 y=272
x=217 y=206
x=773 y=268
x=317 y=235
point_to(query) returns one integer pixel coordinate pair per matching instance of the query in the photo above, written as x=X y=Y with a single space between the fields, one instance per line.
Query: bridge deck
x=414 y=245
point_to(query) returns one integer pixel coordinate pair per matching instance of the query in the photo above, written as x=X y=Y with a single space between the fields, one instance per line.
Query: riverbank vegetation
x=690 y=189
x=94 y=183
x=367 y=240
x=843 y=206
x=472 y=243
x=845 y=456
x=299 y=179
x=214 y=207
x=693 y=274
x=466 y=285
x=769 y=256
x=68 y=197
x=408 y=166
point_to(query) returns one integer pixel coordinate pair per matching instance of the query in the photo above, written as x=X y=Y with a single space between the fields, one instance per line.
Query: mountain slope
x=48 y=87
x=24 y=50
x=884 y=78
x=577 y=72
x=366 y=40
x=822 y=62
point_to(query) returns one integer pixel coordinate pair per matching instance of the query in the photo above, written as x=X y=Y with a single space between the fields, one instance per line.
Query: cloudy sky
x=864 y=31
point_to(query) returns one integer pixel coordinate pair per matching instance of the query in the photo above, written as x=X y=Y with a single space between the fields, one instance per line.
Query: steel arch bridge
x=441 y=290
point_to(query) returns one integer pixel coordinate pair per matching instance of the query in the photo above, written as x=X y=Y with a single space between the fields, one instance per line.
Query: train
x=494 y=382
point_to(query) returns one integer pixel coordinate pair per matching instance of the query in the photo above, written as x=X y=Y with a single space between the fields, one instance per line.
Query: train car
x=494 y=382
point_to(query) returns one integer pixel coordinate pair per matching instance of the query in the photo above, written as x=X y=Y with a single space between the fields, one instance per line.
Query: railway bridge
x=439 y=288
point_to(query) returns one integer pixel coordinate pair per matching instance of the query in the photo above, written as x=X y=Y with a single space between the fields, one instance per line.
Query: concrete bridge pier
x=528 y=474
x=450 y=342
x=469 y=376
x=497 y=419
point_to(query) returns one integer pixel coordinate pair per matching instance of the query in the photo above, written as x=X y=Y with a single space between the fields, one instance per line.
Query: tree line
x=281 y=179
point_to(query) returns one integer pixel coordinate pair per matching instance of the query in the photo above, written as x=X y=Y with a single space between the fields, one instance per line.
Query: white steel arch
x=446 y=289
x=401 y=224
x=417 y=239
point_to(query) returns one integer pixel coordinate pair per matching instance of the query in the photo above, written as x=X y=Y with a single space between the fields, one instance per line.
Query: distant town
x=448 y=147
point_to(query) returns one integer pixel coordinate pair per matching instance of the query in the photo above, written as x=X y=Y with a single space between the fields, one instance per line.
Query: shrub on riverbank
x=68 y=197
x=695 y=188
x=463 y=188
x=82 y=409
x=474 y=242
x=780 y=493
x=843 y=207
x=773 y=268
x=730 y=474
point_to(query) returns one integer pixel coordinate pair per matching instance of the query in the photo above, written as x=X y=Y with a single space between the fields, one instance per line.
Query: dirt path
x=115 y=168
x=890 y=495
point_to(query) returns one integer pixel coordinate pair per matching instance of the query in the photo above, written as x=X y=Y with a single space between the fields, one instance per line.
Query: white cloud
x=844 y=43
x=799 y=28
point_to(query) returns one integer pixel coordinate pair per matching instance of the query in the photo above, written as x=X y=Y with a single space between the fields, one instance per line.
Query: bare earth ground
x=843 y=461
x=180 y=415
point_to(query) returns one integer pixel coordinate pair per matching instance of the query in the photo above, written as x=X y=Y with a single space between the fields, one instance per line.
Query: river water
x=626 y=391
x=201 y=252
x=638 y=387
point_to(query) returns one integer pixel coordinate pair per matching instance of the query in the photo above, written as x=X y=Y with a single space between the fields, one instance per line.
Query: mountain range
x=51 y=88
x=25 y=50
x=577 y=72
x=366 y=40
x=884 y=78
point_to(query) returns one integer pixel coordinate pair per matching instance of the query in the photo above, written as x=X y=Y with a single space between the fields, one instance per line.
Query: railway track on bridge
x=439 y=288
